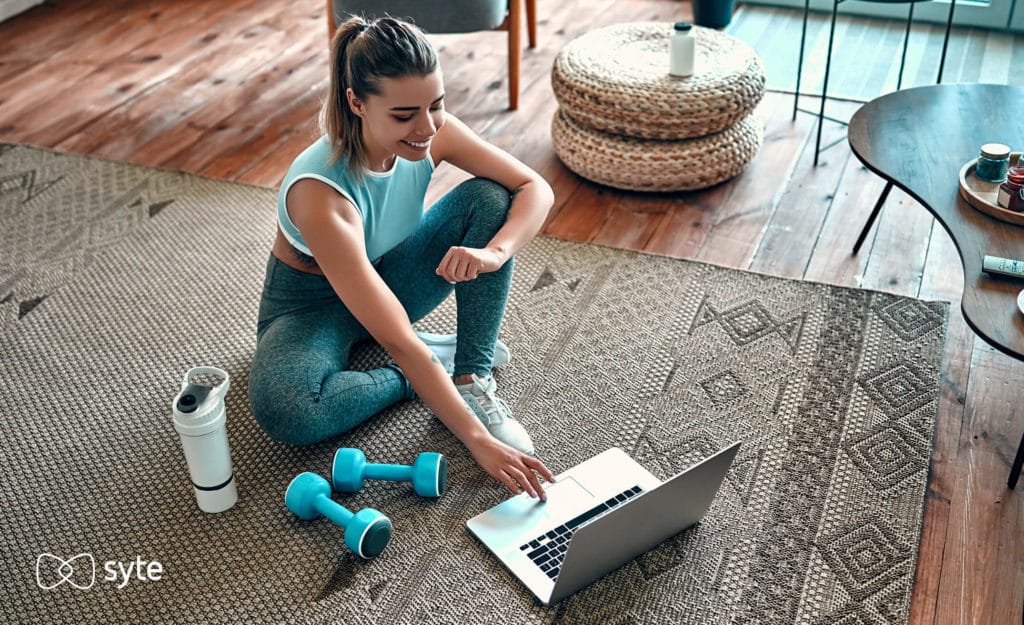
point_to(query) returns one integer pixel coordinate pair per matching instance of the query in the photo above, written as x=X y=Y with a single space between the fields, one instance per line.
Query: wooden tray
x=982 y=195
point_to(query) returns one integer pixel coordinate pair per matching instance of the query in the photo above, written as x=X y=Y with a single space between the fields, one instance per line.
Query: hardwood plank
x=272 y=146
x=832 y=260
x=982 y=576
x=896 y=262
x=942 y=279
x=686 y=225
x=252 y=131
x=123 y=55
x=199 y=65
x=794 y=227
x=740 y=221
x=953 y=376
x=633 y=222
x=237 y=92
x=9 y=68
x=54 y=25
x=943 y=272
x=585 y=211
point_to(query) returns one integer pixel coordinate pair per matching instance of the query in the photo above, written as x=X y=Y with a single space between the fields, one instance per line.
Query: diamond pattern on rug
x=910 y=319
x=749 y=322
x=886 y=456
x=724 y=388
x=865 y=556
x=898 y=388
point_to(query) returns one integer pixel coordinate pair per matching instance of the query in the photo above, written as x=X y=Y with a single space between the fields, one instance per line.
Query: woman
x=356 y=257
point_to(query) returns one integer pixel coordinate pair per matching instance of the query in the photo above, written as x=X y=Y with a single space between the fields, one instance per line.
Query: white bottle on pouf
x=683 y=49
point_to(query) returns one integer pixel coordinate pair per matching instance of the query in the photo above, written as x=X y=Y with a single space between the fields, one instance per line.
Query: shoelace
x=491 y=403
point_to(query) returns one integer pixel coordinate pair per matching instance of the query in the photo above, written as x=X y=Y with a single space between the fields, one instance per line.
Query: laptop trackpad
x=563 y=494
x=523 y=516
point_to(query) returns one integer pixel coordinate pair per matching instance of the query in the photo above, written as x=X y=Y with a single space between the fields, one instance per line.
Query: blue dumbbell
x=428 y=474
x=367 y=532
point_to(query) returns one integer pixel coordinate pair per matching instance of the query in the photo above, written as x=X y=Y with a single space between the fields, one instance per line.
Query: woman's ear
x=354 y=103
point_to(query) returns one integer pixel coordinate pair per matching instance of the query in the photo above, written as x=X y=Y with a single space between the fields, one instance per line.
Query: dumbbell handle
x=333 y=510
x=387 y=472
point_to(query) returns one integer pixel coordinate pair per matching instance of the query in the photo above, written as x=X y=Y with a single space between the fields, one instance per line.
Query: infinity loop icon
x=65 y=569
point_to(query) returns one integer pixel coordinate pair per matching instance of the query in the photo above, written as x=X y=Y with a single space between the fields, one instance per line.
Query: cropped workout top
x=390 y=203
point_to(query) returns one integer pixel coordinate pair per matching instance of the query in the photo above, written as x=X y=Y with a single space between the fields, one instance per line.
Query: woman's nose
x=426 y=127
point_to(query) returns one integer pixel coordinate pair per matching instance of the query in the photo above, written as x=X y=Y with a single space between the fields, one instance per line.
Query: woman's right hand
x=511 y=467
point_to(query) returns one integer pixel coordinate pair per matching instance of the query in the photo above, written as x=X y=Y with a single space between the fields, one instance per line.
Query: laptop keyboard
x=548 y=550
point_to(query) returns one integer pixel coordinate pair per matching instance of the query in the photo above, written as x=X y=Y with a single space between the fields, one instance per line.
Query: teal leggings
x=300 y=387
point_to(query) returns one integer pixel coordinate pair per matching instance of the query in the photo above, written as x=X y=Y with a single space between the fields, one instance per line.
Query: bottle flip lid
x=198 y=409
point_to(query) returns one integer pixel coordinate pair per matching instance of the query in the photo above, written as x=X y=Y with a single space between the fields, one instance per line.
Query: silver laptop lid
x=626 y=532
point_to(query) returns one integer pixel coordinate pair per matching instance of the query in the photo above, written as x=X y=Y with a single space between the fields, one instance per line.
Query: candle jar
x=1011 y=187
x=993 y=162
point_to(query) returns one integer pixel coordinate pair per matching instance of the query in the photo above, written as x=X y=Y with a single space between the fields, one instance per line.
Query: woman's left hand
x=461 y=264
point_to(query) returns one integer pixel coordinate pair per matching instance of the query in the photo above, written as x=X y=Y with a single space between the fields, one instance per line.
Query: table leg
x=872 y=217
x=1017 y=462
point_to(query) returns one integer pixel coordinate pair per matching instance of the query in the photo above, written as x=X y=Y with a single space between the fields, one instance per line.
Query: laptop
x=599 y=515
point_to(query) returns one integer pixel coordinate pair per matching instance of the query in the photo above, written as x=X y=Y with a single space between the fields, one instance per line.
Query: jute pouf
x=651 y=165
x=616 y=79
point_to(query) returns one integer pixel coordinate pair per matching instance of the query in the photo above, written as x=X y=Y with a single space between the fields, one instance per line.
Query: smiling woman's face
x=402 y=119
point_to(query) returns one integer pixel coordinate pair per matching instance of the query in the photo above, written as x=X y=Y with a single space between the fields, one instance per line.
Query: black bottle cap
x=683 y=26
x=191 y=397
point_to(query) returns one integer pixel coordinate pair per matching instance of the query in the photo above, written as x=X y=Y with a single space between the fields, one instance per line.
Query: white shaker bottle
x=683 y=49
x=199 y=419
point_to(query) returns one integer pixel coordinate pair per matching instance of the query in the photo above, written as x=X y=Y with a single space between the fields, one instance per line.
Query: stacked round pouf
x=625 y=122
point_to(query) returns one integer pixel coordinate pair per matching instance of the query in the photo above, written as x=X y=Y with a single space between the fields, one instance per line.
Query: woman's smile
x=419 y=146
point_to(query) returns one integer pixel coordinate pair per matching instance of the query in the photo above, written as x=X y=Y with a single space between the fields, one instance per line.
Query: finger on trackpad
x=565 y=492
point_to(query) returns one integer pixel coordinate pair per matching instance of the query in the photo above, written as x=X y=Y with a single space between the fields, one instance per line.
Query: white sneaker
x=443 y=346
x=494 y=413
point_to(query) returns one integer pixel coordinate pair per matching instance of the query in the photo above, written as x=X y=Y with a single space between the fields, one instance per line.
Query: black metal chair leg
x=1018 y=461
x=824 y=85
x=906 y=44
x=872 y=217
x=800 y=62
x=945 y=42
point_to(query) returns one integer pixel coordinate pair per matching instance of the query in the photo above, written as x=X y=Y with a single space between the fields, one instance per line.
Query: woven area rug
x=116 y=279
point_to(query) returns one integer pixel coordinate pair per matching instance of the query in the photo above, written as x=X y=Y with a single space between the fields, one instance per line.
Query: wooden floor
x=230 y=89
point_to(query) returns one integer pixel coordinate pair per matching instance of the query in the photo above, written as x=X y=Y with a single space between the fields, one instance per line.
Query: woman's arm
x=332 y=228
x=532 y=198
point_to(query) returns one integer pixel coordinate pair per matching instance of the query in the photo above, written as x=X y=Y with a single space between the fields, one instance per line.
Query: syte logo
x=80 y=571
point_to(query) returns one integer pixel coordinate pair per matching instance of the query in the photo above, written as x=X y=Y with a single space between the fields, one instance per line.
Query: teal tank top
x=391 y=202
